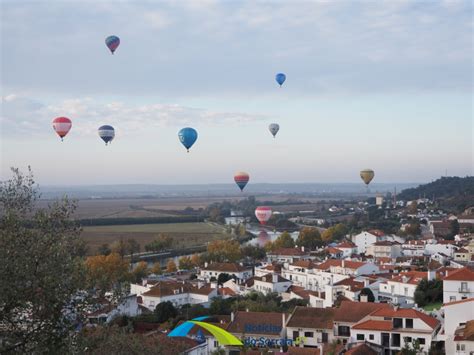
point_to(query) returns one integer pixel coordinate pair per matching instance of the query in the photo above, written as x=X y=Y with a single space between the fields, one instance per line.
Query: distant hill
x=452 y=193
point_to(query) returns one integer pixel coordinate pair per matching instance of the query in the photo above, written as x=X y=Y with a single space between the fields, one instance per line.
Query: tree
x=185 y=263
x=40 y=270
x=413 y=229
x=196 y=260
x=140 y=272
x=156 y=269
x=412 y=208
x=224 y=251
x=284 y=240
x=412 y=348
x=104 y=249
x=133 y=247
x=162 y=242
x=107 y=273
x=429 y=292
x=309 y=238
x=119 y=247
x=254 y=252
x=453 y=229
x=164 y=311
x=171 y=266
x=367 y=292
x=241 y=230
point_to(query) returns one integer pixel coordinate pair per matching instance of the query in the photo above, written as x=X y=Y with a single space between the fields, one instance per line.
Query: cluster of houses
x=360 y=297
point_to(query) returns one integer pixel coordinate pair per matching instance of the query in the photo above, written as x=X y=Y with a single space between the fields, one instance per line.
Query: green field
x=183 y=234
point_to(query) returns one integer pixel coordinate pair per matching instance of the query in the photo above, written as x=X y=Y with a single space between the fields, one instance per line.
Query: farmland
x=183 y=234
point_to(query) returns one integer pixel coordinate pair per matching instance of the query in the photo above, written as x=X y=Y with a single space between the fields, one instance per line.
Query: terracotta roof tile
x=361 y=349
x=374 y=325
x=458 y=302
x=314 y=318
x=226 y=267
x=352 y=312
x=464 y=274
x=406 y=313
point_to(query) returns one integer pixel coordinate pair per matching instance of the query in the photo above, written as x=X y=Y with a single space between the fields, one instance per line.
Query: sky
x=385 y=85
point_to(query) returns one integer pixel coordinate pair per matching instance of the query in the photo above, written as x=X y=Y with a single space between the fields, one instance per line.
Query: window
x=421 y=341
x=360 y=337
x=408 y=323
x=296 y=334
x=406 y=291
x=463 y=286
x=397 y=322
x=308 y=334
x=407 y=339
x=452 y=298
x=343 y=331
x=371 y=337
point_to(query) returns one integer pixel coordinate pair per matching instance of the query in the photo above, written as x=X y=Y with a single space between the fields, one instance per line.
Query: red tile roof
x=352 y=284
x=226 y=267
x=346 y=244
x=308 y=264
x=361 y=349
x=348 y=264
x=377 y=232
x=464 y=274
x=457 y=302
x=314 y=318
x=269 y=278
x=374 y=325
x=410 y=277
x=352 y=312
x=289 y=252
x=406 y=313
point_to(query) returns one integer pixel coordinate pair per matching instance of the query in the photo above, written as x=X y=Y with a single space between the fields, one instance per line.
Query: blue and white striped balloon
x=107 y=133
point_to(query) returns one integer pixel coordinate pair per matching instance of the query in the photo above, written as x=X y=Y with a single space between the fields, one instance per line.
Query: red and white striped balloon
x=263 y=214
x=62 y=126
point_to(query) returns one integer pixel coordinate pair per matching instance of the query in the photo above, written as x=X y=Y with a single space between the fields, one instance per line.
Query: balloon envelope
x=241 y=179
x=62 y=125
x=112 y=42
x=274 y=128
x=367 y=175
x=187 y=137
x=263 y=214
x=280 y=78
x=107 y=133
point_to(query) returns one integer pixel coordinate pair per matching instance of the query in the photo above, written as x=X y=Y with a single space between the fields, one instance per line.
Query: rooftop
x=463 y=274
x=352 y=312
x=314 y=318
x=226 y=267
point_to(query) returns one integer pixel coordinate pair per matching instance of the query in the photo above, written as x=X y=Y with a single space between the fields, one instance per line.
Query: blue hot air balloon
x=112 y=42
x=187 y=137
x=107 y=133
x=280 y=78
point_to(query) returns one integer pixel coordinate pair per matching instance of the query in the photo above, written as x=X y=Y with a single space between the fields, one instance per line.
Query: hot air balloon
x=274 y=128
x=263 y=238
x=367 y=175
x=187 y=137
x=280 y=78
x=112 y=43
x=241 y=179
x=62 y=125
x=263 y=214
x=107 y=133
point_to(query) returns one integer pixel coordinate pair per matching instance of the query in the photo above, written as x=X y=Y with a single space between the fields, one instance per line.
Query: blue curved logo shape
x=222 y=336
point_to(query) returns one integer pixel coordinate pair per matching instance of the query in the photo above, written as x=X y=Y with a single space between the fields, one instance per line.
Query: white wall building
x=364 y=239
x=271 y=283
x=456 y=314
x=458 y=285
x=233 y=269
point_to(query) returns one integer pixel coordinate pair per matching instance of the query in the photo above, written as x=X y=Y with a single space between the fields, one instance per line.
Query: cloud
x=23 y=115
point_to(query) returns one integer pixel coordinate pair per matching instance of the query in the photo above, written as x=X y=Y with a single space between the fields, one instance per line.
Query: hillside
x=451 y=193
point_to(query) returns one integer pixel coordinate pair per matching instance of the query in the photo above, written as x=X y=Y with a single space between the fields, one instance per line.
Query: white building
x=401 y=287
x=271 y=283
x=456 y=314
x=364 y=239
x=445 y=248
x=288 y=255
x=384 y=249
x=213 y=270
x=348 y=248
x=312 y=326
x=458 y=285
x=178 y=293
x=392 y=328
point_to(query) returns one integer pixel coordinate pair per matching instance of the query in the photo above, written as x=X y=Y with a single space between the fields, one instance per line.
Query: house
x=456 y=315
x=348 y=248
x=260 y=329
x=271 y=283
x=350 y=313
x=400 y=289
x=178 y=293
x=312 y=326
x=348 y=267
x=364 y=239
x=462 y=255
x=334 y=252
x=288 y=255
x=458 y=285
x=392 y=328
x=213 y=270
x=446 y=247
x=267 y=269
x=384 y=249
x=464 y=339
